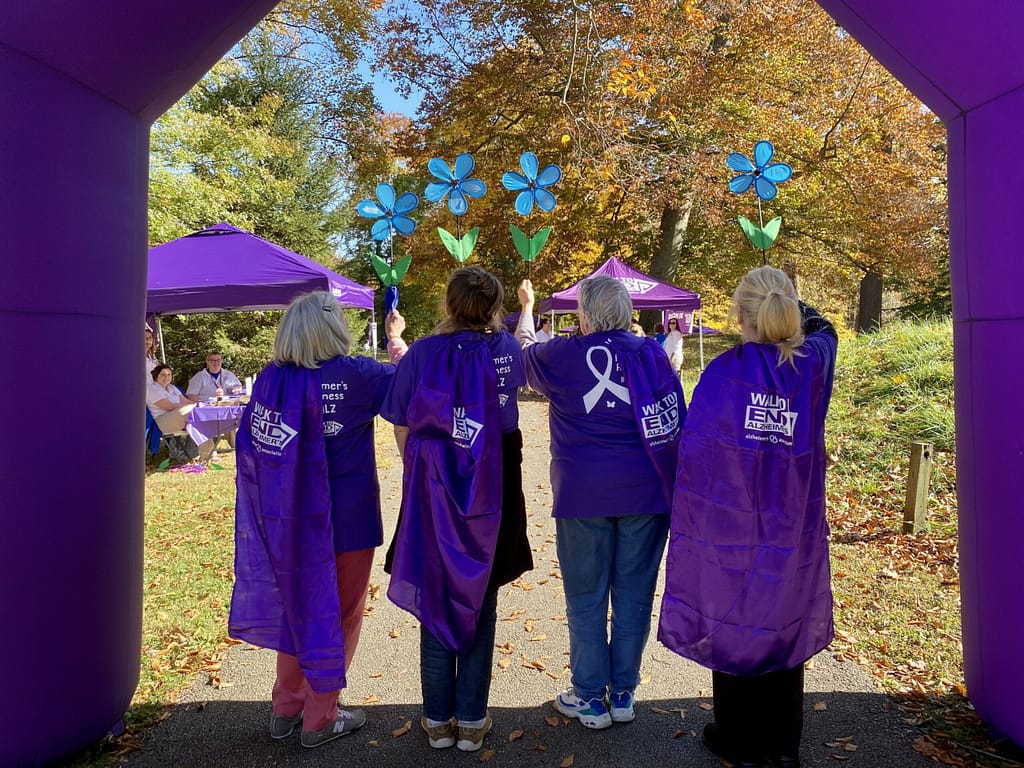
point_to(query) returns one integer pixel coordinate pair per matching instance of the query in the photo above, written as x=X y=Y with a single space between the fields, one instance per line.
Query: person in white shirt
x=674 y=344
x=151 y=360
x=170 y=408
x=544 y=334
x=213 y=380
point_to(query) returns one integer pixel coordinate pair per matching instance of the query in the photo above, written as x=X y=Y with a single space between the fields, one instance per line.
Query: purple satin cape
x=451 y=489
x=286 y=591
x=747 y=587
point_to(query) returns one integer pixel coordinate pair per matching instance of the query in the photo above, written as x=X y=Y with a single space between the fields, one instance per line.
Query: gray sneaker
x=348 y=721
x=282 y=727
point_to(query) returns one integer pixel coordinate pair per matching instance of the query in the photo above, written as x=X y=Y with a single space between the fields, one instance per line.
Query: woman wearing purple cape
x=462 y=526
x=307 y=515
x=747 y=589
x=616 y=407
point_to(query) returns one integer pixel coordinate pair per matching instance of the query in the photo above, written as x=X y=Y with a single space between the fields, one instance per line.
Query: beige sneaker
x=471 y=739
x=440 y=736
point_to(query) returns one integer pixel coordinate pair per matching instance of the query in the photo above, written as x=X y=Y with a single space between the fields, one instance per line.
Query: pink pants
x=292 y=693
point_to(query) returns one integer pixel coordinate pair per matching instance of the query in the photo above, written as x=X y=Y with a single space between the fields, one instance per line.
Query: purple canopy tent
x=75 y=228
x=645 y=292
x=224 y=269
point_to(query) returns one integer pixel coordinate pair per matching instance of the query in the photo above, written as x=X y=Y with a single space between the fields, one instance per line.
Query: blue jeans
x=602 y=556
x=459 y=685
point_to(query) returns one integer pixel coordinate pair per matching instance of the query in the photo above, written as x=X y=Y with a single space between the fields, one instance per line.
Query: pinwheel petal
x=440 y=169
x=524 y=202
x=464 y=165
x=381 y=229
x=514 y=181
x=386 y=196
x=764 y=188
x=406 y=202
x=551 y=174
x=473 y=188
x=457 y=203
x=369 y=209
x=739 y=162
x=403 y=224
x=740 y=184
x=763 y=152
x=528 y=162
x=777 y=172
x=545 y=200
x=436 y=191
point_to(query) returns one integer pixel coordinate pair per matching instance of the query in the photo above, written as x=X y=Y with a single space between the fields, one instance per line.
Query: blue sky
x=385 y=92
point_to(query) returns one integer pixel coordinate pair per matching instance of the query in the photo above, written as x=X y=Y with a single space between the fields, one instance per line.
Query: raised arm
x=524 y=330
x=394 y=327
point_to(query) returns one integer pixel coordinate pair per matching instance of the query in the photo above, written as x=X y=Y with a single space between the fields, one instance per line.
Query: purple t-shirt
x=353 y=389
x=599 y=464
x=508 y=364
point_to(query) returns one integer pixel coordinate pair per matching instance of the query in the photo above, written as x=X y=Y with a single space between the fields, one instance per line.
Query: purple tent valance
x=646 y=292
x=223 y=269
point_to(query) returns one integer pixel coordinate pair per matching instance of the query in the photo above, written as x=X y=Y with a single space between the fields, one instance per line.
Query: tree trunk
x=869 y=308
x=672 y=230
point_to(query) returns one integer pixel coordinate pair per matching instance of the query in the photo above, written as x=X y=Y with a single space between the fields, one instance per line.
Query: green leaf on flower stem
x=761 y=238
x=460 y=249
x=214 y=465
x=162 y=467
x=529 y=247
x=382 y=268
x=399 y=270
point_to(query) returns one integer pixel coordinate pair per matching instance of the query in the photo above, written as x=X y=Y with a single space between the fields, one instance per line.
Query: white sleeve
x=195 y=384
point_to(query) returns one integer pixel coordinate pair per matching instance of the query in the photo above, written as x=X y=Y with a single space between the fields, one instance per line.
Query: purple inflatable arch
x=81 y=83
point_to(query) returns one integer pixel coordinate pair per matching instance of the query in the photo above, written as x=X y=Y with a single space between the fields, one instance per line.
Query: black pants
x=759 y=717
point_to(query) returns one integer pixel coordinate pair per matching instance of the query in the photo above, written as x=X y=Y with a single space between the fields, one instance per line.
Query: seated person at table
x=170 y=408
x=213 y=380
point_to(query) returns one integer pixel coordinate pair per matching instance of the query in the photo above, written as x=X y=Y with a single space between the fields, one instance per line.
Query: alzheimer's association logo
x=771 y=416
x=636 y=285
x=464 y=429
x=269 y=433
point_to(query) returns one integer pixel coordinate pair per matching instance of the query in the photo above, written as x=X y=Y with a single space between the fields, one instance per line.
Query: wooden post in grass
x=915 y=509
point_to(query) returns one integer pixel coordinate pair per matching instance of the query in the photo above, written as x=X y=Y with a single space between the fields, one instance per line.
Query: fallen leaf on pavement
x=371 y=699
x=704 y=705
x=567 y=762
x=516 y=735
x=820 y=706
x=403 y=730
x=487 y=755
x=553 y=721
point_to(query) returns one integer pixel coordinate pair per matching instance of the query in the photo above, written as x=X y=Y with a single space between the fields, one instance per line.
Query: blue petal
x=436 y=191
x=369 y=209
x=524 y=202
x=763 y=152
x=739 y=162
x=740 y=184
x=777 y=172
x=406 y=202
x=457 y=202
x=514 y=181
x=545 y=200
x=381 y=229
x=440 y=169
x=550 y=175
x=403 y=224
x=463 y=166
x=386 y=195
x=473 y=188
x=528 y=162
x=765 y=189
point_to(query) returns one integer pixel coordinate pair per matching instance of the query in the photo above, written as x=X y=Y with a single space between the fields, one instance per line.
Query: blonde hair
x=606 y=304
x=313 y=330
x=766 y=303
x=473 y=301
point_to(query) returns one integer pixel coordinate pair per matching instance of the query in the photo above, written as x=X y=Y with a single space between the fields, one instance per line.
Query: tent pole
x=700 y=336
x=160 y=337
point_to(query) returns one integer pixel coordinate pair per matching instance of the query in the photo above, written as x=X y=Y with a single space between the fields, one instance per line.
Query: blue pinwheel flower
x=532 y=184
x=763 y=176
x=389 y=212
x=454 y=184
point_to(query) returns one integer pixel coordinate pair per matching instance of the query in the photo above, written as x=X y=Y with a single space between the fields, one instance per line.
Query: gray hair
x=605 y=301
x=313 y=330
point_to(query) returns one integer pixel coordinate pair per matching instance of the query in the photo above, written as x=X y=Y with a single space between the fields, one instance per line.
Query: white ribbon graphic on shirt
x=604 y=382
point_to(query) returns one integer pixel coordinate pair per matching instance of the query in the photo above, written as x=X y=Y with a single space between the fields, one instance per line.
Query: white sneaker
x=592 y=714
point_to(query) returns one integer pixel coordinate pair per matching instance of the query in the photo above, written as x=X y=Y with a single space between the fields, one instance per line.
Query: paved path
x=226 y=727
